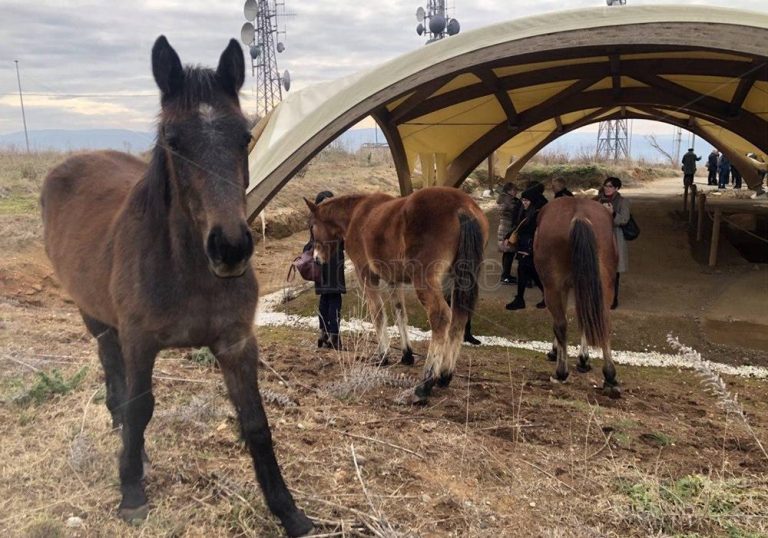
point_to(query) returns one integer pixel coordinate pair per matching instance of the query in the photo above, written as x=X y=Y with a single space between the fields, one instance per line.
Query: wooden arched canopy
x=516 y=86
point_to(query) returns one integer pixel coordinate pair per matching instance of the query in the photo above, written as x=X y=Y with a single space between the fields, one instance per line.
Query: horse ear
x=231 y=69
x=166 y=67
x=312 y=207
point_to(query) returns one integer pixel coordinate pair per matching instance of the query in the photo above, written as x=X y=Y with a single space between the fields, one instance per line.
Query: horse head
x=202 y=152
x=326 y=230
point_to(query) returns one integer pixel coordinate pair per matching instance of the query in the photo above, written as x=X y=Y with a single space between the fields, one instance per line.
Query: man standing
x=689 y=167
x=724 y=166
x=712 y=167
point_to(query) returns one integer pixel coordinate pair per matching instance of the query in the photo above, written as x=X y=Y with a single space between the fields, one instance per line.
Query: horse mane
x=153 y=192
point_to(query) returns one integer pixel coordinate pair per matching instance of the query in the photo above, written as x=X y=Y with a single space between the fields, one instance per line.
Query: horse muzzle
x=228 y=258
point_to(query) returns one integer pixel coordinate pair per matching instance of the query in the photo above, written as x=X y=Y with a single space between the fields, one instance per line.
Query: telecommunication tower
x=434 y=22
x=612 y=135
x=259 y=34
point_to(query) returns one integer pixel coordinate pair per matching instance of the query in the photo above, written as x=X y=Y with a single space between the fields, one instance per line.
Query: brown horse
x=158 y=256
x=574 y=248
x=423 y=239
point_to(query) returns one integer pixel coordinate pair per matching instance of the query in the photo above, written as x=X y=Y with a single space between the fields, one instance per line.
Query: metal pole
x=23 y=116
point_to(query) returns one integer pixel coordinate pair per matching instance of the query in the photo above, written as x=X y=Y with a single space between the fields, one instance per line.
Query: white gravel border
x=267 y=317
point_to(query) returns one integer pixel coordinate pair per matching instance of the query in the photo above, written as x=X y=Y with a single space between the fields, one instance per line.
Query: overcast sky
x=86 y=64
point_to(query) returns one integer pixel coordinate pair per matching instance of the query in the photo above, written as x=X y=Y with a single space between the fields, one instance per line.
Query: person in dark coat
x=559 y=188
x=533 y=200
x=712 y=167
x=689 y=166
x=509 y=214
x=619 y=207
x=724 y=168
x=330 y=288
x=735 y=177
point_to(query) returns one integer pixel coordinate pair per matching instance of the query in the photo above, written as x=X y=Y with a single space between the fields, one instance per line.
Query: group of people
x=517 y=228
x=720 y=170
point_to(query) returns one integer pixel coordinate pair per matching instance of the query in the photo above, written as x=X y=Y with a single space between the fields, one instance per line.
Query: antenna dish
x=247 y=33
x=420 y=14
x=454 y=27
x=437 y=24
x=280 y=46
x=251 y=9
x=286 y=80
x=255 y=51
x=420 y=29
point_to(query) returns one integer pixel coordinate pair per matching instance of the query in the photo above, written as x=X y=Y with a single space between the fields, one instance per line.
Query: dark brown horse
x=422 y=239
x=574 y=248
x=158 y=256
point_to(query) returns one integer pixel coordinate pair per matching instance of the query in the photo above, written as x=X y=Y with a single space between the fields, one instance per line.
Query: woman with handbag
x=330 y=286
x=618 y=206
x=522 y=238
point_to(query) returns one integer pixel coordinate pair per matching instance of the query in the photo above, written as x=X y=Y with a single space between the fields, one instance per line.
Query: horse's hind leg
x=238 y=362
x=439 y=314
x=556 y=305
x=453 y=346
x=583 y=365
x=610 y=383
x=402 y=324
x=112 y=362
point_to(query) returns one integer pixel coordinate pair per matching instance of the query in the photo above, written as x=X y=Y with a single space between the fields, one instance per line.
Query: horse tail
x=466 y=267
x=587 y=286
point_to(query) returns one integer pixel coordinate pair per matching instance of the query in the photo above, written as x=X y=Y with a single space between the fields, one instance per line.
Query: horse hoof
x=552 y=355
x=419 y=399
x=583 y=368
x=378 y=359
x=134 y=516
x=297 y=524
x=444 y=380
x=612 y=391
x=559 y=381
x=407 y=357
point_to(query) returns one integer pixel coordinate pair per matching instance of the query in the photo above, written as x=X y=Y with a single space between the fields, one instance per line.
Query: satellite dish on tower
x=453 y=27
x=420 y=14
x=437 y=24
x=247 y=33
x=286 y=80
x=420 y=29
x=251 y=9
x=280 y=46
x=255 y=51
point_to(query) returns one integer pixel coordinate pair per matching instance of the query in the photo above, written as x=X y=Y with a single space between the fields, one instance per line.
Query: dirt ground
x=502 y=452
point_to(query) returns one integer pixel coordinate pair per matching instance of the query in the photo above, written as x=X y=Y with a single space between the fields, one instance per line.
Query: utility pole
x=21 y=98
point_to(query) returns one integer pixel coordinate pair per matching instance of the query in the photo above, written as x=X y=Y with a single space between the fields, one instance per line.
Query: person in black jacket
x=533 y=200
x=330 y=288
x=559 y=188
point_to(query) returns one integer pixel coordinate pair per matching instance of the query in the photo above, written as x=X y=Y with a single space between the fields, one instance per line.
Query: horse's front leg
x=139 y=353
x=378 y=315
x=402 y=324
x=238 y=357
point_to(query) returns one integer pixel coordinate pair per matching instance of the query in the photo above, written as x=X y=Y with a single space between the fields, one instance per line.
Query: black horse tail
x=466 y=267
x=587 y=287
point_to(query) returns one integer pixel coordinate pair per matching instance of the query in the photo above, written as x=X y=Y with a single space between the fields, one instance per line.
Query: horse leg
x=439 y=315
x=402 y=324
x=379 y=317
x=556 y=304
x=453 y=346
x=583 y=365
x=140 y=403
x=111 y=358
x=610 y=383
x=238 y=359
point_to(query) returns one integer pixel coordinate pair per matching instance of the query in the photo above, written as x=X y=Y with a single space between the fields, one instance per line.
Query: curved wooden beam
x=384 y=119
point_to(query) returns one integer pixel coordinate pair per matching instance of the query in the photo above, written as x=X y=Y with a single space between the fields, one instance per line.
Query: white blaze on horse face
x=207 y=113
x=318 y=255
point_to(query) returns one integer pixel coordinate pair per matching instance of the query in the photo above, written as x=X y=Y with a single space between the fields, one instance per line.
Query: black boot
x=335 y=342
x=517 y=304
x=615 y=303
x=322 y=341
x=468 y=338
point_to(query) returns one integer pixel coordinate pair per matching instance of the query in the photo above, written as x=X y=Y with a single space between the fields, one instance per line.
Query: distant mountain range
x=136 y=141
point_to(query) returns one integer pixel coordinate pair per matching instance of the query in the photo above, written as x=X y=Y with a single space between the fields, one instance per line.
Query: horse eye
x=171 y=139
x=247 y=139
